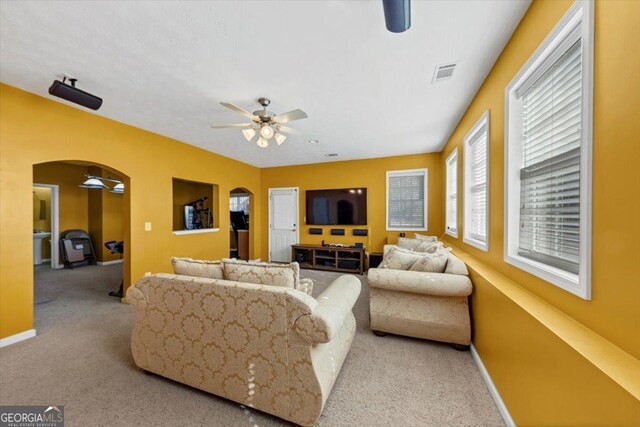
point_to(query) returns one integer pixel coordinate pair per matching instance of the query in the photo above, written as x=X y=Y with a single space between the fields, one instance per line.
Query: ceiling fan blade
x=287 y=129
x=290 y=116
x=236 y=125
x=240 y=111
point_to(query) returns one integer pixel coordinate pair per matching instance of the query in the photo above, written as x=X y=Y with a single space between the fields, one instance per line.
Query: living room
x=549 y=333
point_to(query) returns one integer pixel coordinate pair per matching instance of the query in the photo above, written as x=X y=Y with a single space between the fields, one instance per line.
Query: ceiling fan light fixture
x=279 y=138
x=94 y=184
x=118 y=188
x=262 y=143
x=248 y=134
x=266 y=131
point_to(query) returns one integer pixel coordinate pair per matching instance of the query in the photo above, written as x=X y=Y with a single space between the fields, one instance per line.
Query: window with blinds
x=548 y=150
x=407 y=200
x=476 y=165
x=550 y=174
x=239 y=202
x=451 y=196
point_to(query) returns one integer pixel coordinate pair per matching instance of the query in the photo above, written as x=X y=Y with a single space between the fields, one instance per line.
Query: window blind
x=239 y=202
x=452 y=193
x=406 y=200
x=478 y=186
x=550 y=174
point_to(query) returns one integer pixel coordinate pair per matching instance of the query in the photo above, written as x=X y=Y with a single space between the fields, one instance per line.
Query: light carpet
x=81 y=359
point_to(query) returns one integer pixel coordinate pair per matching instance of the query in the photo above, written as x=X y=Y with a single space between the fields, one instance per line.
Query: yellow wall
x=73 y=201
x=542 y=380
x=369 y=173
x=42 y=194
x=149 y=162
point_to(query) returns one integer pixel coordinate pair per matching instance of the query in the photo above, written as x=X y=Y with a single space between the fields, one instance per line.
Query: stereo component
x=71 y=93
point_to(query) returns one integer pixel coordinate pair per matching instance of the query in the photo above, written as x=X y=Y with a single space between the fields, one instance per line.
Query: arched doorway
x=88 y=206
x=240 y=223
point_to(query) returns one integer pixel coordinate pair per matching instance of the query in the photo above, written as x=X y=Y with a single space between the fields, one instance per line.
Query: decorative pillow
x=427 y=246
x=262 y=273
x=400 y=259
x=306 y=286
x=406 y=243
x=423 y=237
x=432 y=263
x=456 y=266
x=197 y=268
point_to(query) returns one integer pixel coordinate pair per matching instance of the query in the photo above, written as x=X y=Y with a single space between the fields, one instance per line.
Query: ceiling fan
x=264 y=123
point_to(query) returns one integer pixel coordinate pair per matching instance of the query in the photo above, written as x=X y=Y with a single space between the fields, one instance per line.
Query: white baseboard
x=17 y=337
x=504 y=412
x=46 y=260
x=115 y=261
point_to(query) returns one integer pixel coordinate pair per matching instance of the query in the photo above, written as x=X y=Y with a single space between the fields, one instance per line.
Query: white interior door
x=283 y=223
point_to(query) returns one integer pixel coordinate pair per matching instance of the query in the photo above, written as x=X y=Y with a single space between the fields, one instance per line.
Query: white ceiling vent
x=443 y=72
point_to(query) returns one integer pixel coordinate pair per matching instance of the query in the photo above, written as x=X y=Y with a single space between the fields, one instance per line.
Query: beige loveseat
x=271 y=348
x=432 y=306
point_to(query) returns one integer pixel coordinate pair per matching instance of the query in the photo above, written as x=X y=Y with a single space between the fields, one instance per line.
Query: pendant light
x=248 y=134
x=93 y=183
x=279 y=138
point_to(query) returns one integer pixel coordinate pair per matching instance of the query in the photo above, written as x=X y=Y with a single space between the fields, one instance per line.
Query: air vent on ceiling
x=443 y=72
x=331 y=155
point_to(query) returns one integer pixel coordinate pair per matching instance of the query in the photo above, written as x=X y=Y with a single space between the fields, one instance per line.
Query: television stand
x=329 y=258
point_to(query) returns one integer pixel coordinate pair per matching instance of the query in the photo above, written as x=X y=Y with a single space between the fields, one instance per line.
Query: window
x=407 y=200
x=476 y=184
x=548 y=157
x=239 y=202
x=451 y=201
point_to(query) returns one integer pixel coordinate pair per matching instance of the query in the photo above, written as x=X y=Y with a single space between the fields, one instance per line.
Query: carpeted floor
x=81 y=359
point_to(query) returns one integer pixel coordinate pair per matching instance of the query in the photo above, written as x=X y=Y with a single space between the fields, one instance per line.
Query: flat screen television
x=345 y=206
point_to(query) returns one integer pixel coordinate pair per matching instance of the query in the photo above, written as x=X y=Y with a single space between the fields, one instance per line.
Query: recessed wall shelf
x=198 y=231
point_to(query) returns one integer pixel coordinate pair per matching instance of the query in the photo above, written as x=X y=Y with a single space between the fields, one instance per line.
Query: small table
x=375 y=258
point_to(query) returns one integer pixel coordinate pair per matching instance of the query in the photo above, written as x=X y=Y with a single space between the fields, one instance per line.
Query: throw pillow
x=427 y=246
x=406 y=243
x=197 y=268
x=432 y=263
x=423 y=237
x=456 y=266
x=399 y=259
x=262 y=273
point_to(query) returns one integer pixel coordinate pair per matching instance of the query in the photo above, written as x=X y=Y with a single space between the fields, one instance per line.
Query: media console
x=330 y=258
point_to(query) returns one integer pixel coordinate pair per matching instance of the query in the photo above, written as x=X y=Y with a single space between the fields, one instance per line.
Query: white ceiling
x=165 y=66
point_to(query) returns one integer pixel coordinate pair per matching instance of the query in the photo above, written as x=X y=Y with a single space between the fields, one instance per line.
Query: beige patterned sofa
x=271 y=348
x=432 y=306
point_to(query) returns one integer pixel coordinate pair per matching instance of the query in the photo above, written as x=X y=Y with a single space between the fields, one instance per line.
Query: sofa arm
x=136 y=298
x=334 y=305
x=439 y=284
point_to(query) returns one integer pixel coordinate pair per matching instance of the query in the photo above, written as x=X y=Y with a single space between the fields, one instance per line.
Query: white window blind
x=550 y=174
x=406 y=200
x=477 y=184
x=239 y=202
x=451 y=201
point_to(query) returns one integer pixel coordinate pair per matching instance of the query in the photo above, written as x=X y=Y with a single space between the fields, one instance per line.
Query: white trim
x=502 y=408
x=115 y=261
x=55 y=224
x=400 y=172
x=580 y=14
x=46 y=260
x=467 y=238
x=30 y=333
x=454 y=232
x=197 y=231
x=297 y=203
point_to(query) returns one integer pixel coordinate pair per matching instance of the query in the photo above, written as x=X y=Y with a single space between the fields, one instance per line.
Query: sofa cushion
x=407 y=243
x=424 y=237
x=456 y=266
x=431 y=263
x=427 y=246
x=400 y=259
x=262 y=273
x=197 y=268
